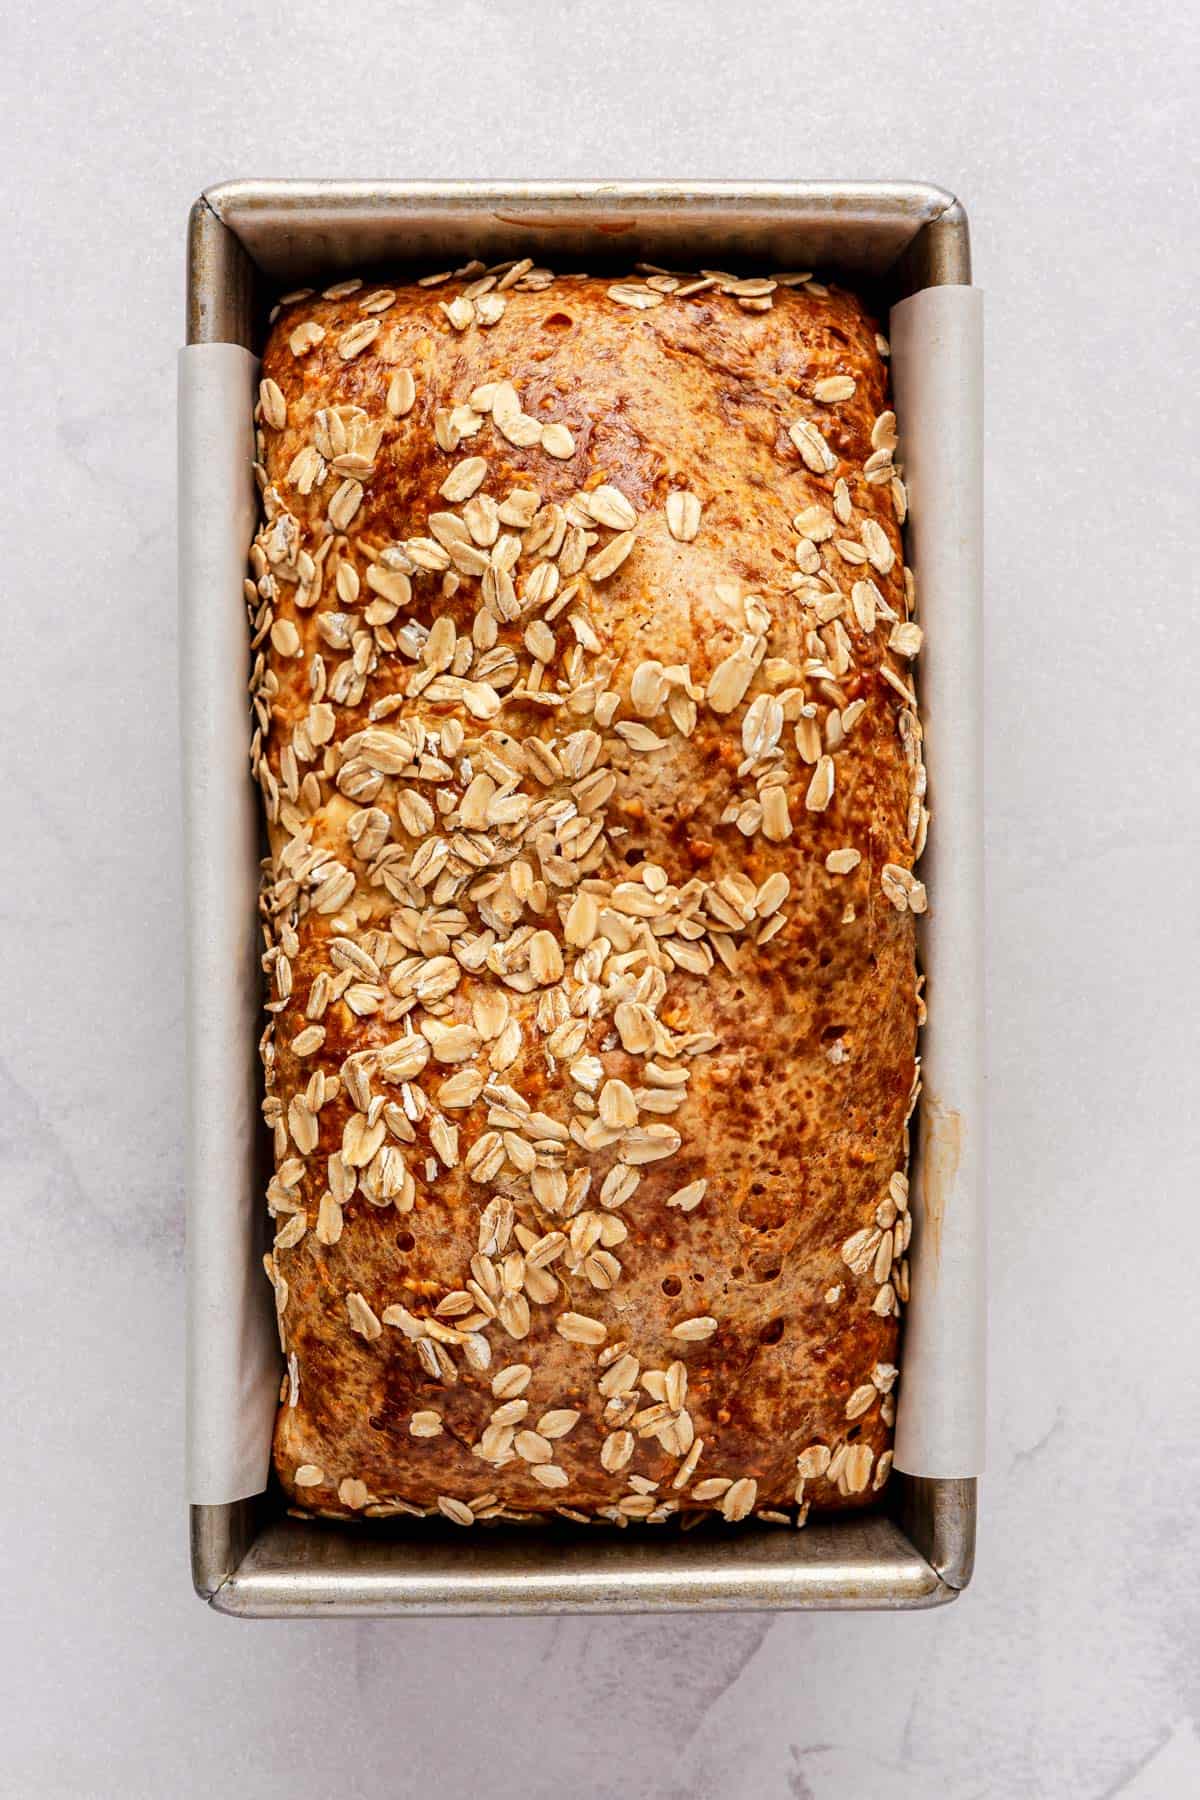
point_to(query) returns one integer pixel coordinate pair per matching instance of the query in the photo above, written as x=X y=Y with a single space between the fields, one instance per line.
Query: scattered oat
x=878 y=546
x=687 y=1199
x=607 y=561
x=737 y=1502
x=354 y=341
x=683 y=515
x=557 y=441
x=902 y=888
x=814 y=451
x=694 y=1331
x=274 y=406
x=712 y=1488
x=820 y=788
x=634 y=295
x=833 y=388
x=464 y=478
x=306 y=337
x=578 y=1328
x=460 y=312
x=609 y=506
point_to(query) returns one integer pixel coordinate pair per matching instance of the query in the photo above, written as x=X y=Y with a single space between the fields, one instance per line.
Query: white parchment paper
x=233 y=1350
x=937 y=353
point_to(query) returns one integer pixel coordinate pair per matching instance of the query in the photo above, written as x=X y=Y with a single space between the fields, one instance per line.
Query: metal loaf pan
x=248 y=240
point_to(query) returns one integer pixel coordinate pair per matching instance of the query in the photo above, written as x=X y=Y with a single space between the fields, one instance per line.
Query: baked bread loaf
x=592 y=775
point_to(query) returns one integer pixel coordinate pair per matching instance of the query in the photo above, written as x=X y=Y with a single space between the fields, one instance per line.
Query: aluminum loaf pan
x=247 y=240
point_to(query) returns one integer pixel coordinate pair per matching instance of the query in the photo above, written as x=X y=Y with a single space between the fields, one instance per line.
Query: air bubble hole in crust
x=771 y=1334
x=672 y=1285
x=761 y=1211
x=405 y=1241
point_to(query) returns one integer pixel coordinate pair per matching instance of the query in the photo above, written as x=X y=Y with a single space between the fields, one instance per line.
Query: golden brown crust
x=577 y=928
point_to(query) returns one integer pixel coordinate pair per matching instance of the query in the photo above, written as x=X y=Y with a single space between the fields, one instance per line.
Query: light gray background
x=1071 y=1667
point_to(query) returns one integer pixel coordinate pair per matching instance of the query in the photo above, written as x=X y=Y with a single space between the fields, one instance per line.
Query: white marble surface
x=1071 y=1667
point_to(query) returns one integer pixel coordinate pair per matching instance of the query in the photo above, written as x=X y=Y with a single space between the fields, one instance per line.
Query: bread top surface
x=590 y=1054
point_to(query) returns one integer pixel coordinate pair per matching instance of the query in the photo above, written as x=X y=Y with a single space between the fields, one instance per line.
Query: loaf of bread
x=592 y=773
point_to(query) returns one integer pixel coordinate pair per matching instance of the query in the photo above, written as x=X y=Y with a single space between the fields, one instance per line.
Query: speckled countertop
x=1071 y=1666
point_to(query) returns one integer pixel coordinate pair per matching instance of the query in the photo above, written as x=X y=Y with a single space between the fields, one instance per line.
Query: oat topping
x=683 y=514
x=486 y=997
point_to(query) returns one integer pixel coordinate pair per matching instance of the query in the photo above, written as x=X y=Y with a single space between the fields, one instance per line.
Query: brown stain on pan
x=554 y=222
